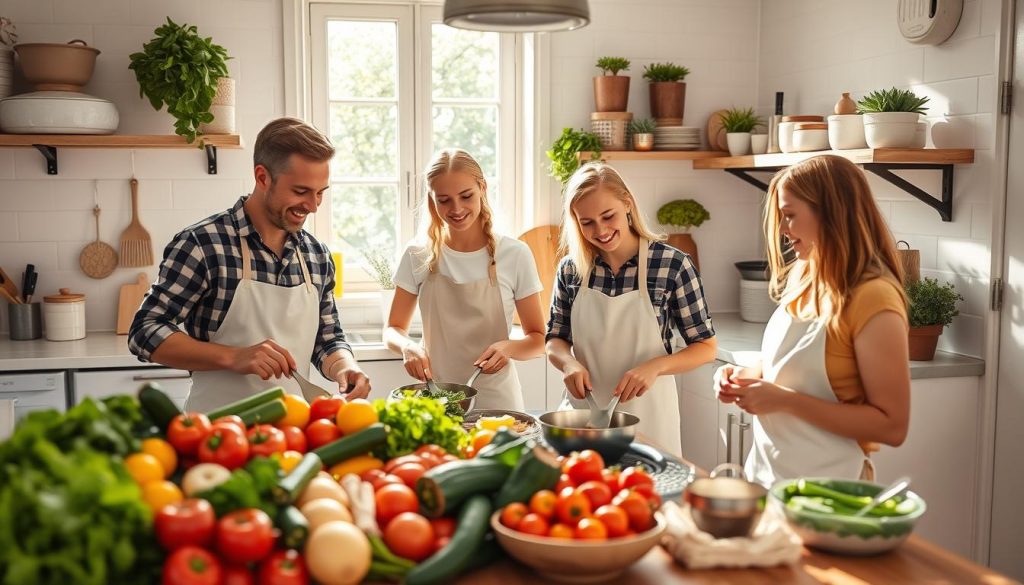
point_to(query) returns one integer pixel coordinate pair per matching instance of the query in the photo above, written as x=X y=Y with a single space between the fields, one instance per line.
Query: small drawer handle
x=143 y=378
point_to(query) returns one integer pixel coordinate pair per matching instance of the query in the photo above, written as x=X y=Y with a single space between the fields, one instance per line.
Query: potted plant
x=564 y=153
x=611 y=90
x=892 y=119
x=378 y=264
x=182 y=70
x=738 y=124
x=683 y=214
x=667 y=92
x=643 y=133
x=932 y=306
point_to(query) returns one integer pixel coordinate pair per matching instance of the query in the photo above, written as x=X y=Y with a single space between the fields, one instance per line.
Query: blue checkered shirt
x=672 y=282
x=201 y=270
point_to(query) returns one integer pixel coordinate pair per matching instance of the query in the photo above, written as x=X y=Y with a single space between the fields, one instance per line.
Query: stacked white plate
x=676 y=138
x=6 y=71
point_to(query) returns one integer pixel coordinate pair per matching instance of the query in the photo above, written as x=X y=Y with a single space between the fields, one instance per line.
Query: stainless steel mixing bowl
x=566 y=431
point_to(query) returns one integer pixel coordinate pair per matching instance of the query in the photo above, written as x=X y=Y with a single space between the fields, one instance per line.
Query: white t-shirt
x=517 y=272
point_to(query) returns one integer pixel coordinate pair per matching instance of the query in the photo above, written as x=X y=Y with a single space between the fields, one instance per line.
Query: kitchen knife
x=31 y=287
x=28 y=283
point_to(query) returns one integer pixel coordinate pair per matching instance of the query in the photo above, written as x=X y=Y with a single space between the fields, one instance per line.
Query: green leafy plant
x=642 y=126
x=892 y=100
x=932 y=303
x=379 y=263
x=741 y=120
x=683 y=213
x=665 y=72
x=612 y=65
x=180 y=69
x=415 y=421
x=564 y=151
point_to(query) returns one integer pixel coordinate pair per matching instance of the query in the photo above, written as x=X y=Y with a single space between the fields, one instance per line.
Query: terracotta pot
x=611 y=93
x=685 y=243
x=923 y=341
x=668 y=100
x=56 y=67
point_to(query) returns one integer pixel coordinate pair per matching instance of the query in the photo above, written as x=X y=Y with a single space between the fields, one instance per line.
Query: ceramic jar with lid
x=810 y=136
x=64 y=316
x=788 y=125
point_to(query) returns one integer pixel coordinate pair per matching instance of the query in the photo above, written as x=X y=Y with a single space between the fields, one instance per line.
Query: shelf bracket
x=50 y=154
x=943 y=206
x=211 y=159
x=743 y=175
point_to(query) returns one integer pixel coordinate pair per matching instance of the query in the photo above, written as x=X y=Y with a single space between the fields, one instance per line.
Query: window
x=391 y=84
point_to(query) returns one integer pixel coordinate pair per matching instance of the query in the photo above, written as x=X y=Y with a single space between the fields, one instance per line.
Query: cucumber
x=247 y=403
x=157 y=405
x=293 y=526
x=489 y=551
x=450 y=561
x=538 y=469
x=509 y=453
x=288 y=489
x=445 y=487
x=503 y=436
x=348 y=447
x=267 y=412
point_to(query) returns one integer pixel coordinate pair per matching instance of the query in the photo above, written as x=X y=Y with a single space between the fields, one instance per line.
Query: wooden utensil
x=98 y=259
x=129 y=300
x=136 y=247
x=11 y=289
x=543 y=242
x=716 y=132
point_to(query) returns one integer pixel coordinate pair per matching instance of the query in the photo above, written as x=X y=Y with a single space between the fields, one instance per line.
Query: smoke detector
x=928 y=22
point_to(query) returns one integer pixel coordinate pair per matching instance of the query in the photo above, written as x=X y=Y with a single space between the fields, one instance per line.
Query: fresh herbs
x=931 y=303
x=379 y=263
x=450 y=398
x=658 y=72
x=564 y=151
x=612 y=65
x=416 y=421
x=892 y=100
x=740 y=120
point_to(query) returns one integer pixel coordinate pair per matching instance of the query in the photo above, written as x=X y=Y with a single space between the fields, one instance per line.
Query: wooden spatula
x=10 y=288
x=136 y=247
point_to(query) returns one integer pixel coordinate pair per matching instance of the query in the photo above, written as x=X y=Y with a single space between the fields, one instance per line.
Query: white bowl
x=57 y=112
x=846 y=132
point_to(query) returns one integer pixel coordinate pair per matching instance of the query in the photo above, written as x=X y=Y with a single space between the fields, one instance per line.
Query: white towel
x=772 y=543
x=6 y=418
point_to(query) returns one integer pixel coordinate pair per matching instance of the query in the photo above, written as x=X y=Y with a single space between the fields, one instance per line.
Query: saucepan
x=416 y=389
x=566 y=431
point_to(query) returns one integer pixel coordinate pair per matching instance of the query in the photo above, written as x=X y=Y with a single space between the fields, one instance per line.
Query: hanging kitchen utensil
x=911 y=261
x=98 y=259
x=9 y=287
x=136 y=247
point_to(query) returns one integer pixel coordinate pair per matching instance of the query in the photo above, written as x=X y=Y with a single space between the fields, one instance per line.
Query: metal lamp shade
x=517 y=15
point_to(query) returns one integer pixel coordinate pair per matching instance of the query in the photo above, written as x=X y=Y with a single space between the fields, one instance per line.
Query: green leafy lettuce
x=417 y=421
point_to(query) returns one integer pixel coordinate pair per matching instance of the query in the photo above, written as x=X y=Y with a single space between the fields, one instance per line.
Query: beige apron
x=259 y=310
x=459 y=322
x=785 y=446
x=611 y=335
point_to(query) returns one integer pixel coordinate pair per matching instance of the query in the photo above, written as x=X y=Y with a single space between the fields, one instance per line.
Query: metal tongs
x=601 y=419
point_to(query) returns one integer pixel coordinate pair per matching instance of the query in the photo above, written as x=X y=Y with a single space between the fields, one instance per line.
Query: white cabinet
x=29 y=392
x=100 y=384
x=533 y=380
x=698 y=416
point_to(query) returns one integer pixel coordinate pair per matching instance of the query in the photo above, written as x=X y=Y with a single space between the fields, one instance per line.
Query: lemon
x=493 y=423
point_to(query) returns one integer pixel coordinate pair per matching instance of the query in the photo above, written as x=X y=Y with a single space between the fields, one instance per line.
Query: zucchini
x=445 y=487
x=503 y=436
x=240 y=406
x=157 y=405
x=509 y=453
x=489 y=551
x=450 y=561
x=267 y=412
x=348 y=447
x=293 y=526
x=538 y=469
x=288 y=489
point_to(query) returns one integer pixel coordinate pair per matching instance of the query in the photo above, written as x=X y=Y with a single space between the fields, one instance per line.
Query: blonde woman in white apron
x=467 y=281
x=620 y=297
x=834 y=378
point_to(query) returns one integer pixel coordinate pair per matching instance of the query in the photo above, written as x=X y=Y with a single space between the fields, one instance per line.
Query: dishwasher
x=20 y=394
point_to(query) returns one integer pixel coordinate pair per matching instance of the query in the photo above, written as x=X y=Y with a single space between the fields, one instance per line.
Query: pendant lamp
x=517 y=15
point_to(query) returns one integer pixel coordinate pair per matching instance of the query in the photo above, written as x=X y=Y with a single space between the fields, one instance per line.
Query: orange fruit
x=158 y=494
x=356 y=415
x=482 y=438
x=164 y=453
x=296 y=411
x=144 y=468
x=287 y=460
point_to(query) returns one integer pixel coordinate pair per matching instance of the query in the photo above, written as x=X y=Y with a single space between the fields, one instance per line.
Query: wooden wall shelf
x=607 y=155
x=47 y=144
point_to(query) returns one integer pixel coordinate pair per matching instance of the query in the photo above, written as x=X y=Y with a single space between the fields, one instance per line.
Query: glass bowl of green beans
x=822 y=512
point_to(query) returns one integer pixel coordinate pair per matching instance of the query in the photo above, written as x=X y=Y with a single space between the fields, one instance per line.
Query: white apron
x=459 y=322
x=611 y=335
x=793 y=355
x=259 y=310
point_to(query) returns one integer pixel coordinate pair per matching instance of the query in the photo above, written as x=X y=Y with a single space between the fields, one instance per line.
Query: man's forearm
x=185 y=353
x=336 y=362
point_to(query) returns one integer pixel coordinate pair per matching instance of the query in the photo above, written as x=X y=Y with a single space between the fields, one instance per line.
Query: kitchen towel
x=773 y=542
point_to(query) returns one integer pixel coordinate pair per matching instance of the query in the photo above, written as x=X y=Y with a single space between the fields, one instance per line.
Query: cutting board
x=129 y=301
x=543 y=242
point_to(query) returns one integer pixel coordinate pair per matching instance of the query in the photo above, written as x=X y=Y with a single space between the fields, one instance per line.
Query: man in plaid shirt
x=245 y=297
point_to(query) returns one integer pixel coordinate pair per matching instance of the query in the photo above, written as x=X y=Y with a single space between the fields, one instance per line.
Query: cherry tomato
x=231 y=419
x=294 y=438
x=265 y=440
x=647 y=491
x=636 y=508
x=534 y=524
x=584 y=466
x=191 y=565
x=245 y=536
x=283 y=567
x=610 y=475
x=410 y=536
x=325 y=407
x=385 y=480
x=225 y=445
x=186 y=431
x=320 y=432
x=633 y=477
x=512 y=514
x=186 y=523
x=392 y=500
x=564 y=481
x=591 y=529
x=236 y=575
x=597 y=492
x=572 y=506
x=443 y=526
x=543 y=503
x=429 y=460
x=560 y=530
x=614 y=519
x=409 y=473
x=371 y=474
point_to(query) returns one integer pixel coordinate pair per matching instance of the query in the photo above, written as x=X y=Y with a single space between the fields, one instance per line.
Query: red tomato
x=322 y=431
x=245 y=536
x=385 y=480
x=371 y=474
x=432 y=449
x=614 y=519
x=512 y=514
x=225 y=445
x=284 y=567
x=231 y=419
x=410 y=536
x=584 y=466
x=636 y=508
x=534 y=524
x=564 y=481
x=393 y=463
x=635 y=476
x=429 y=460
x=572 y=506
x=189 y=522
x=236 y=575
x=186 y=431
x=325 y=407
x=610 y=475
x=265 y=440
x=443 y=526
x=591 y=529
x=597 y=492
x=294 y=438
x=647 y=491
x=409 y=473
x=392 y=500
x=191 y=565
x=543 y=503
x=441 y=542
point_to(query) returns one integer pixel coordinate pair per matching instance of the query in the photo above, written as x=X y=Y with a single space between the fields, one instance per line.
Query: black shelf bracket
x=50 y=154
x=943 y=206
x=744 y=175
x=211 y=159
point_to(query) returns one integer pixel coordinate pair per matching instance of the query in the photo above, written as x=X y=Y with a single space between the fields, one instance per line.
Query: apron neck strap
x=247 y=262
x=641 y=274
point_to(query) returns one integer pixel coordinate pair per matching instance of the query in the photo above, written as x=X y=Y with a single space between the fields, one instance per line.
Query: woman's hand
x=494 y=358
x=577 y=379
x=637 y=381
x=416 y=361
x=758 y=396
x=724 y=380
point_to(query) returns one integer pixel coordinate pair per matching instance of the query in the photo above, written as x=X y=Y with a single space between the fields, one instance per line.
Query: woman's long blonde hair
x=587 y=179
x=854 y=243
x=452 y=160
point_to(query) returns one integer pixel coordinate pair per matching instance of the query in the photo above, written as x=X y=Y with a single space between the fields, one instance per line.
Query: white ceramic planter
x=739 y=143
x=758 y=143
x=892 y=130
x=846 y=132
x=921 y=135
x=891 y=117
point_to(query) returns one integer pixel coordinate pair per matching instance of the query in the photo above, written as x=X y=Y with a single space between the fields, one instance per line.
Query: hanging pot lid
x=517 y=15
x=65 y=296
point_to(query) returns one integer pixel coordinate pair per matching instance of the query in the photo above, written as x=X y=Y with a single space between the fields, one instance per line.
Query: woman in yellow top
x=834 y=376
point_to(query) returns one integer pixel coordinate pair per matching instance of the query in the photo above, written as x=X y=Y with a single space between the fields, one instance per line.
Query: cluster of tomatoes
x=589 y=502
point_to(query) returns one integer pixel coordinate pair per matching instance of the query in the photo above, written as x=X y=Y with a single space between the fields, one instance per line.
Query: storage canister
x=64 y=316
x=788 y=125
x=810 y=136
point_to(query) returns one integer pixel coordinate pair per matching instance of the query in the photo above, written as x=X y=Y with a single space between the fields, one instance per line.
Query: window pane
x=364 y=217
x=465 y=63
x=362 y=59
x=473 y=129
x=366 y=141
